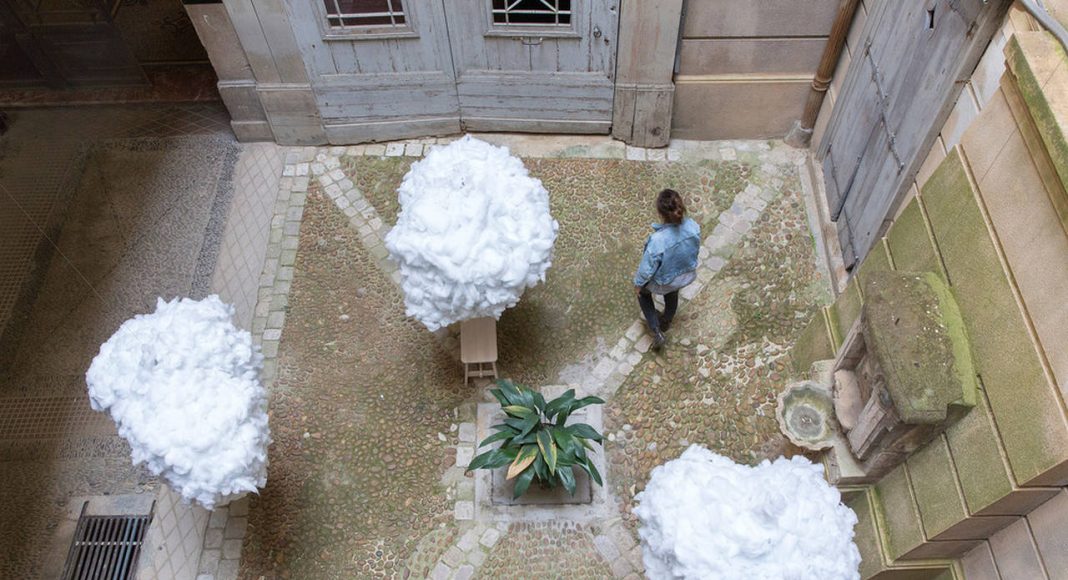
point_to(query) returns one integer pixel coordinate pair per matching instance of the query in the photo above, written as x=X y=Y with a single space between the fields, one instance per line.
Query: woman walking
x=668 y=264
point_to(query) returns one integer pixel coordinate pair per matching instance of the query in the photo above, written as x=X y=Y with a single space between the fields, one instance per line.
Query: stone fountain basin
x=806 y=415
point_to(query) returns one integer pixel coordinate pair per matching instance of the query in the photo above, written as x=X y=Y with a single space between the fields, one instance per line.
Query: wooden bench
x=478 y=348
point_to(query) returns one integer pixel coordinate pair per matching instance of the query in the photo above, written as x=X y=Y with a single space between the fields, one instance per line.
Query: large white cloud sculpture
x=705 y=517
x=182 y=385
x=473 y=233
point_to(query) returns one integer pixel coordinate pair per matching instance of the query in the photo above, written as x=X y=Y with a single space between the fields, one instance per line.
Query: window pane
x=349 y=13
x=532 y=12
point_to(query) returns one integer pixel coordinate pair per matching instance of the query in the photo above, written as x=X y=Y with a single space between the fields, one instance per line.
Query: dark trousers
x=671 y=303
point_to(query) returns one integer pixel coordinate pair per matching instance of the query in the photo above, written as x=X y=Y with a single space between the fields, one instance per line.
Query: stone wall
x=990 y=217
x=745 y=68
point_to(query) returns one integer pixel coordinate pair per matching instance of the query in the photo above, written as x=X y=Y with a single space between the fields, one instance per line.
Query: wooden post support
x=645 y=92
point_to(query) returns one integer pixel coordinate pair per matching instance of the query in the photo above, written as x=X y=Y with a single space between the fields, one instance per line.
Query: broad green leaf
x=541 y=471
x=497 y=394
x=539 y=401
x=565 y=458
x=585 y=401
x=522 y=483
x=502 y=427
x=565 y=412
x=563 y=438
x=567 y=477
x=558 y=403
x=489 y=460
x=580 y=451
x=498 y=436
x=526 y=456
x=529 y=423
x=526 y=395
x=518 y=411
x=517 y=424
x=548 y=450
x=583 y=430
x=592 y=469
x=511 y=393
x=531 y=437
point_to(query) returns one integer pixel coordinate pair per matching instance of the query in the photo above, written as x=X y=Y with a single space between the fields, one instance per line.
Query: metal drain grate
x=106 y=547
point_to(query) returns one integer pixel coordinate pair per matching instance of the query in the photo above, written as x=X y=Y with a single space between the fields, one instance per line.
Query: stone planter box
x=503 y=490
x=493 y=493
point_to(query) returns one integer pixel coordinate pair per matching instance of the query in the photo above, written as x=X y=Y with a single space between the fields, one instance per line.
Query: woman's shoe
x=659 y=340
x=663 y=323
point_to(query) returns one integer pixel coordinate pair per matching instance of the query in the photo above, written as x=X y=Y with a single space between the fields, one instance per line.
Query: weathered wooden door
x=900 y=87
x=380 y=69
x=534 y=65
x=389 y=69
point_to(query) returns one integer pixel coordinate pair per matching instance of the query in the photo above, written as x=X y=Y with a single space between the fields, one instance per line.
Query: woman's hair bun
x=670 y=205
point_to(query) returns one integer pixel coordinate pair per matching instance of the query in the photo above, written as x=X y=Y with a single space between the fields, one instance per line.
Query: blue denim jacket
x=671 y=250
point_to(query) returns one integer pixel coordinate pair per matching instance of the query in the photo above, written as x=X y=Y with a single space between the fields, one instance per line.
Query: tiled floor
x=102 y=210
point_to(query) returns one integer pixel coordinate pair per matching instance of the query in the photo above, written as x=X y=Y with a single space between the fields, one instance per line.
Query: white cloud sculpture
x=473 y=233
x=705 y=517
x=182 y=385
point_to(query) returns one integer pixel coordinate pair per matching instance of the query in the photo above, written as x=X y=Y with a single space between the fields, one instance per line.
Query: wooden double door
x=388 y=69
x=902 y=82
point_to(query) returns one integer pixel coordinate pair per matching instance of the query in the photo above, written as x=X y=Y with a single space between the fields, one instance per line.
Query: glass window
x=365 y=13
x=532 y=12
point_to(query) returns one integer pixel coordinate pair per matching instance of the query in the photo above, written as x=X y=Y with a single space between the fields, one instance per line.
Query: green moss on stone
x=982 y=472
x=903 y=531
x=877 y=260
x=846 y=309
x=931 y=473
x=813 y=344
x=912 y=326
x=1028 y=412
x=910 y=244
x=1033 y=59
x=866 y=536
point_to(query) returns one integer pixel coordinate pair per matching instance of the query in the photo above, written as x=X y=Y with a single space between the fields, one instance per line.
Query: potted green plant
x=537 y=444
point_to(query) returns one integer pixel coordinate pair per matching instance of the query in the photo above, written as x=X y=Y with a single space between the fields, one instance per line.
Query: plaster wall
x=745 y=68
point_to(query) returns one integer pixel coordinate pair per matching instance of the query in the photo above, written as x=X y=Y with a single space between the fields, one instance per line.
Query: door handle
x=530 y=40
x=596 y=32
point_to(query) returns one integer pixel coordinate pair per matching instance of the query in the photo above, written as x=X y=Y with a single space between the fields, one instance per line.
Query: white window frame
x=369 y=32
x=569 y=30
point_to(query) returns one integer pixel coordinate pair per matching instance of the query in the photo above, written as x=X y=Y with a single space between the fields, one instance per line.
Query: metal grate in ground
x=105 y=547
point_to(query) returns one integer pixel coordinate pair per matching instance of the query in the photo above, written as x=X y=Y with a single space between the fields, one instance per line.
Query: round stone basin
x=806 y=415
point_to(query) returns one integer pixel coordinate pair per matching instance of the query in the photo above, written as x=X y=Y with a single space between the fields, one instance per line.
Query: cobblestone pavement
x=373 y=424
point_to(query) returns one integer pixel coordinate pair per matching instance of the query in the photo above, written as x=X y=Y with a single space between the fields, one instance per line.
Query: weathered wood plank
x=509 y=124
x=247 y=25
x=363 y=131
x=278 y=31
x=917 y=63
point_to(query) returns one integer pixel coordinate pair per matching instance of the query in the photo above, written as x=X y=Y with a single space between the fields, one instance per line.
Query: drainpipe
x=1047 y=21
x=801 y=133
